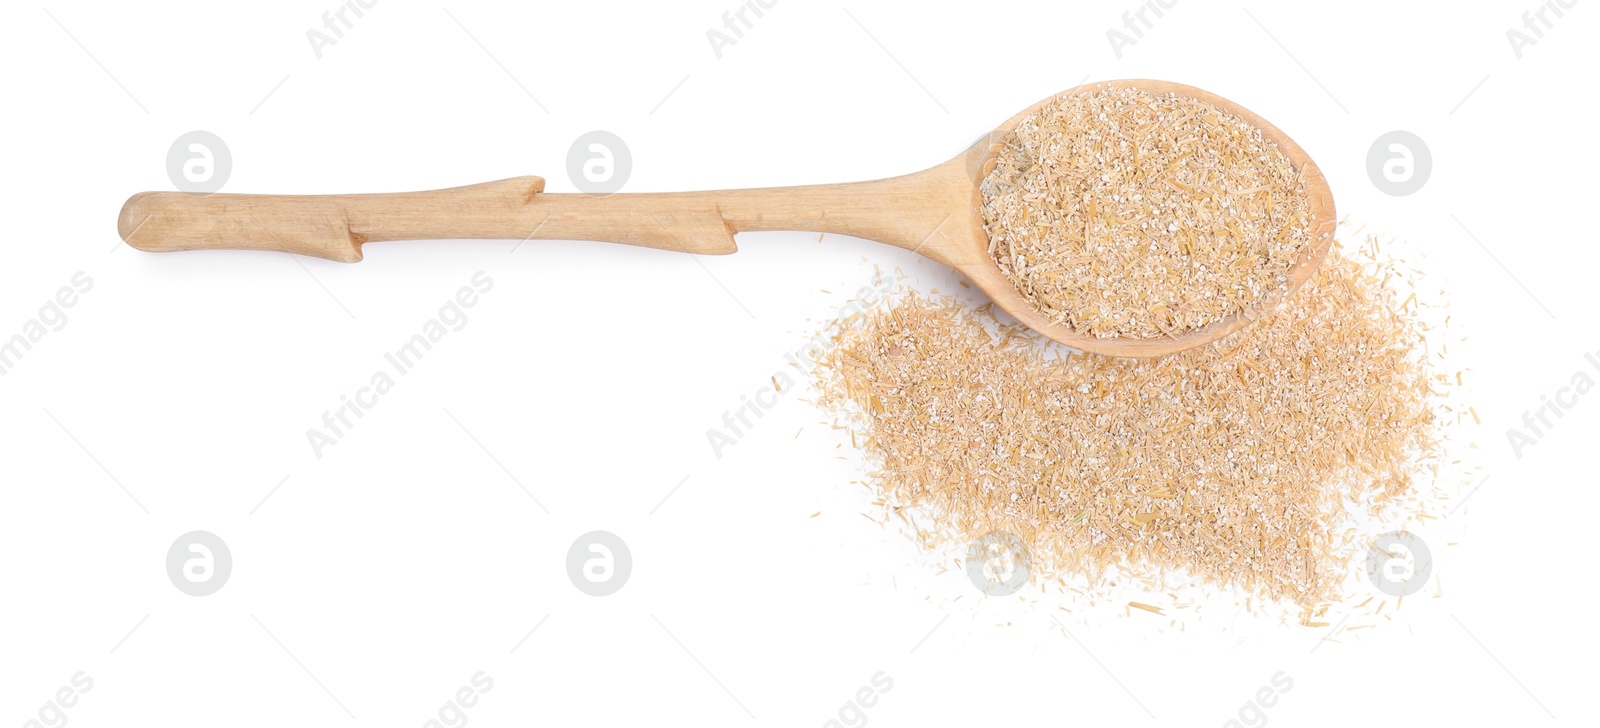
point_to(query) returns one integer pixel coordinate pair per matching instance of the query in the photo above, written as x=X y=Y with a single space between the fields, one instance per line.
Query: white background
x=374 y=582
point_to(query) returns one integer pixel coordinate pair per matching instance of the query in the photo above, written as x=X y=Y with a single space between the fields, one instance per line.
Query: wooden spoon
x=934 y=212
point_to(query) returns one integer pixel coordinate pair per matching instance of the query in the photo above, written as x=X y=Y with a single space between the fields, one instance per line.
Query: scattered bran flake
x=1122 y=213
x=1239 y=465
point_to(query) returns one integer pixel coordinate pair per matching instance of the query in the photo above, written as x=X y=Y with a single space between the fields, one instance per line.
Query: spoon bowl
x=935 y=213
x=987 y=274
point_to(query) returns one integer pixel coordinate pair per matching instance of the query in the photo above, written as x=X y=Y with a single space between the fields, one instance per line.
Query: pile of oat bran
x=1236 y=464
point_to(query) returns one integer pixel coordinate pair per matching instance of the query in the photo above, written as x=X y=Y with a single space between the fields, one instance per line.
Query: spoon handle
x=897 y=211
